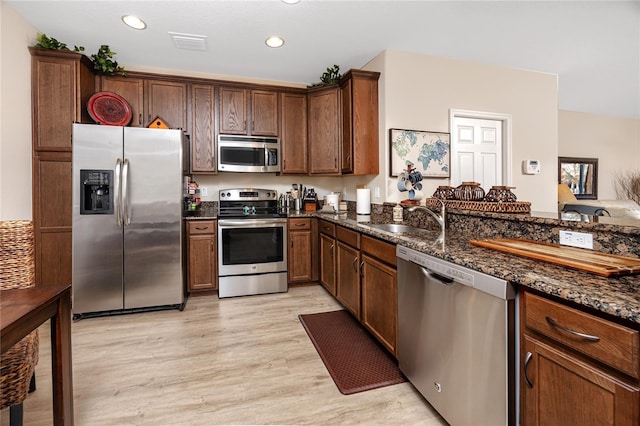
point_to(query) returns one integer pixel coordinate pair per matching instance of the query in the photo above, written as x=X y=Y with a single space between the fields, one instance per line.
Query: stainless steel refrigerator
x=127 y=219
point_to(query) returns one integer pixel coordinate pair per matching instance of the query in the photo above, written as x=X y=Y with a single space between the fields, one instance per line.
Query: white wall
x=417 y=92
x=15 y=115
x=614 y=141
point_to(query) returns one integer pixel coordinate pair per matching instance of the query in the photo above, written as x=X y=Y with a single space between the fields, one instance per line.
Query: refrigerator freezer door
x=152 y=204
x=97 y=238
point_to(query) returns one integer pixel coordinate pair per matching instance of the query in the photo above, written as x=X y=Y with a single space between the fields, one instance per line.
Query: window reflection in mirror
x=580 y=175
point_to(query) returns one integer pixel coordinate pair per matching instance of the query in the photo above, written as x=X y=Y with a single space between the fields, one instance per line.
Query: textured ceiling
x=593 y=46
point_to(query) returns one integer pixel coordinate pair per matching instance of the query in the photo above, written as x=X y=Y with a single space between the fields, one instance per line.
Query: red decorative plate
x=109 y=109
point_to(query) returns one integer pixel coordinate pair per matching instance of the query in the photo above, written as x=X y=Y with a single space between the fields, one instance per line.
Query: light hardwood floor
x=243 y=360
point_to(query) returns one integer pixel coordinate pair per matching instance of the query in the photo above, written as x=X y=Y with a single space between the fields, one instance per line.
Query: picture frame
x=426 y=151
x=580 y=175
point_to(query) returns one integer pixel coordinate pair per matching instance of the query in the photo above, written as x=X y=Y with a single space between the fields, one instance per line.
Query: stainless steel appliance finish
x=126 y=256
x=248 y=154
x=456 y=339
x=252 y=249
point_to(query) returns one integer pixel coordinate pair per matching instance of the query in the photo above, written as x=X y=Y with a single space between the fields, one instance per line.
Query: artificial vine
x=330 y=76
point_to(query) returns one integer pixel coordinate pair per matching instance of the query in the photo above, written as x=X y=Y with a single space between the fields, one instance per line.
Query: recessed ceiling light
x=291 y=1
x=134 y=22
x=274 y=41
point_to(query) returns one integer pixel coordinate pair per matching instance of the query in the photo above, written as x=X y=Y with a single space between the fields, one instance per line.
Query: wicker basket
x=485 y=206
x=16 y=254
x=17 y=271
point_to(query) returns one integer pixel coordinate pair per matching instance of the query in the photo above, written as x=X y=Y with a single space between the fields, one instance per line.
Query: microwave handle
x=266 y=156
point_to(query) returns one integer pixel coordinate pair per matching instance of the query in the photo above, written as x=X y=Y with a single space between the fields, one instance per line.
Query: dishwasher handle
x=438 y=277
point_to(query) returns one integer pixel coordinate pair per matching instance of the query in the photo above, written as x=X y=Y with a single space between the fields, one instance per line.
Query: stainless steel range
x=252 y=249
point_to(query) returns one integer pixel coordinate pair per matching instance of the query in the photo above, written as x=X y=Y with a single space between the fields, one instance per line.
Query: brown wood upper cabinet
x=132 y=90
x=61 y=85
x=203 y=143
x=293 y=132
x=343 y=125
x=359 y=110
x=248 y=112
x=168 y=100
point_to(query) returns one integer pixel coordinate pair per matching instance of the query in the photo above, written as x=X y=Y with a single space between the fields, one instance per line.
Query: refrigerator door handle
x=125 y=193
x=117 y=197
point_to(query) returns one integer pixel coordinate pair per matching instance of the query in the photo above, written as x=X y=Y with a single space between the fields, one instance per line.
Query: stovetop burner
x=249 y=203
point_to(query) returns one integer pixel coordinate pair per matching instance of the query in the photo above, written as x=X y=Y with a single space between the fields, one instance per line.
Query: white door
x=476 y=151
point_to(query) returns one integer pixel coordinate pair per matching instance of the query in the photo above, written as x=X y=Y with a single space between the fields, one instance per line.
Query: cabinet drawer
x=611 y=344
x=348 y=236
x=327 y=228
x=299 y=224
x=379 y=249
x=201 y=227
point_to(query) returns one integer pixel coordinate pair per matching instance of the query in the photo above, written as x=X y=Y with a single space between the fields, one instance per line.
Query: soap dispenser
x=397 y=213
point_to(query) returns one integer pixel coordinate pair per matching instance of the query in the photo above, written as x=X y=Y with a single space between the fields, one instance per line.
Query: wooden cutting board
x=577 y=258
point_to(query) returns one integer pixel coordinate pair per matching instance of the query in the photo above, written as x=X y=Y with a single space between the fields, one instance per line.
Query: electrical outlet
x=203 y=191
x=576 y=239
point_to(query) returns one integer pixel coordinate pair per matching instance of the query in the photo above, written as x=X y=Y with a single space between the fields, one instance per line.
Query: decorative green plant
x=51 y=43
x=330 y=76
x=103 y=62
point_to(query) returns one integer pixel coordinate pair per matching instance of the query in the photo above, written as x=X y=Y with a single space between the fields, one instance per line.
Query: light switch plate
x=203 y=191
x=576 y=239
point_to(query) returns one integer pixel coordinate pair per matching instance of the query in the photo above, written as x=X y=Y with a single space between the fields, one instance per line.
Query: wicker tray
x=485 y=206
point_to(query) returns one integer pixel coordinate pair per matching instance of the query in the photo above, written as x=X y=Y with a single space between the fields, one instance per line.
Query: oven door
x=251 y=246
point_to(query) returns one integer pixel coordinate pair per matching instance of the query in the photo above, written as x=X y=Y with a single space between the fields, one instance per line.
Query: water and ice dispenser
x=96 y=191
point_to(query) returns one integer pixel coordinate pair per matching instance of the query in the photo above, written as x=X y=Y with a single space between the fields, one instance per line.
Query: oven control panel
x=248 y=194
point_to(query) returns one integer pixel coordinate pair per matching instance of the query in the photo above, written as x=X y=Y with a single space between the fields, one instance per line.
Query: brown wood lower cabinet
x=380 y=291
x=302 y=259
x=348 y=277
x=327 y=255
x=562 y=381
x=202 y=255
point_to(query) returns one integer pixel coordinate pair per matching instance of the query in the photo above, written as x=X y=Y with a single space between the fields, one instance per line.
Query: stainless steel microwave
x=248 y=154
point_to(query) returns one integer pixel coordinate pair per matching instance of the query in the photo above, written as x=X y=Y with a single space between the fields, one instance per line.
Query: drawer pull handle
x=575 y=333
x=300 y=224
x=527 y=360
x=199 y=228
x=326 y=228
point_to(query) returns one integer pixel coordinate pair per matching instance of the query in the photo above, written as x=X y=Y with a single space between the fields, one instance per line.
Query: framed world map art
x=428 y=152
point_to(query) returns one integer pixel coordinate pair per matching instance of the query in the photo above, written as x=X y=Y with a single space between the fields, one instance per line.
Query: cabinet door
x=324 y=131
x=567 y=391
x=293 y=132
x=203 y=131
x=264 y=113
x=348 y=279
x=131 y=89
x=52 y=218
x=300 y=256
x=380 y=301
x=61 y=84
x=359 y=102
x=328 y=263
x=233 y=111
x=202 y=262
x=167 y=100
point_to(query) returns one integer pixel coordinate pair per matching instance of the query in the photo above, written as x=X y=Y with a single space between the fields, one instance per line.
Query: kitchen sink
x=393 y=227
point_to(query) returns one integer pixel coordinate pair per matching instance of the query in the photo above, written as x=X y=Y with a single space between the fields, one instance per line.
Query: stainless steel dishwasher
x=456 y=339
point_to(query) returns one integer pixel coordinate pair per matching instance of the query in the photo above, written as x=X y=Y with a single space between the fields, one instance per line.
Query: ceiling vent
x=189 y=41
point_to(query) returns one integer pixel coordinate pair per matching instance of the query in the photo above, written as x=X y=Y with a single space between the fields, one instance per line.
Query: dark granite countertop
x=618 y=297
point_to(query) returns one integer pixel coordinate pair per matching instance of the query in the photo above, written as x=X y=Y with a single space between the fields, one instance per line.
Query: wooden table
x=24 y=310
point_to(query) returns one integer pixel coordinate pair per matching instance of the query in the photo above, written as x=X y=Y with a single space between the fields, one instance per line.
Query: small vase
x=501 y=194
x=469 y=191
x=444 y=192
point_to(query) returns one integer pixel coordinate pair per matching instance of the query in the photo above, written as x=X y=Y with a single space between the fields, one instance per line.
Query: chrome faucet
x=440 y=218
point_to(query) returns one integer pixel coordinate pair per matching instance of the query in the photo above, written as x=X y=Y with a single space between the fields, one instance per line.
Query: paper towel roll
x=363 y=201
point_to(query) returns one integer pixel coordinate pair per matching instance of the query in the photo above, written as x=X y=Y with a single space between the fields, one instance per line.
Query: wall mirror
x=580 y=175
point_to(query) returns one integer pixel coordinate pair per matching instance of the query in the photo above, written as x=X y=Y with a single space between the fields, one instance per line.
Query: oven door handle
x=251 y=222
